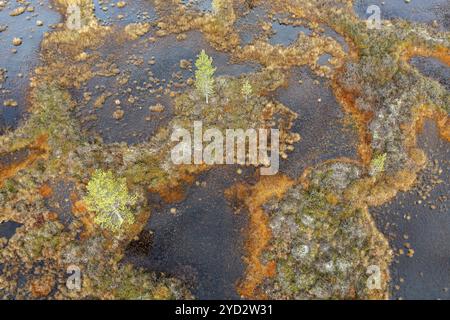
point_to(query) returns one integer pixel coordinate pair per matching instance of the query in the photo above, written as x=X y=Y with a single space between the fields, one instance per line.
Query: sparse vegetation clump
x=109 y=198
x=377 y=164
x=204 y=75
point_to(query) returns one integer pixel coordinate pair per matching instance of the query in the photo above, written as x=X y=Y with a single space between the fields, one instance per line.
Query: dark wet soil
x=202 y=242
x=19 y=65
x=320 y=123
x=424 y=224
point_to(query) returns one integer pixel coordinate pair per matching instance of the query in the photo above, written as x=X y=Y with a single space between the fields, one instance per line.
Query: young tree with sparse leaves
x=204 y=75
x=247 y=90
x=109 y=199
x=377 y=164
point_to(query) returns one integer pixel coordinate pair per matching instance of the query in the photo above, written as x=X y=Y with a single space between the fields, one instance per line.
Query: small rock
x=17 y=41
x=184 y=64
x=157 y=108
x=121 y=4
x=118 y=114
x=17 y=12
x=10 y=103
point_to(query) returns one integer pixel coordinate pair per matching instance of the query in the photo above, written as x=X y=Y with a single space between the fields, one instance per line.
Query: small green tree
x=216 y=6
x=247 y=90
x=204 y=75
x=377 y=164
x=108 y=197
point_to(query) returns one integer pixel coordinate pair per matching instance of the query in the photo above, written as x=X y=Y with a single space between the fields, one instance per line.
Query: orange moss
x=46 y=191
x=441 y=53
x=259 y=233
x=426 y=112
x=347 y=101
x=38 y=149
x=42 y=287
x=80 y=210
x=173 y=191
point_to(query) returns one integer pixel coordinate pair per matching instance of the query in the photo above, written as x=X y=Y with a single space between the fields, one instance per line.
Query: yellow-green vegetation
x=204 y=75
x=109 y=198
x=377 y=164
x=247 y=89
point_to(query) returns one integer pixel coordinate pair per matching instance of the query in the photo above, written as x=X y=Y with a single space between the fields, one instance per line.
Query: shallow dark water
x=14 y=157
x=434 y=69
x=426 y=275
x=202 y=5
x=8 y=229
x=203 y=241
x=19 y=65
x=320 y=124
x=249 y=24
x=147 y=84
x=286 y=35
x=134 y=11
x=424 y=11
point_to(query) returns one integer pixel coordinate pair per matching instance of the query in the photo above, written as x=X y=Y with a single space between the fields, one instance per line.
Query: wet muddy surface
x=200 y=239
x=321 y=123
x=20 y=61
x=420 y=220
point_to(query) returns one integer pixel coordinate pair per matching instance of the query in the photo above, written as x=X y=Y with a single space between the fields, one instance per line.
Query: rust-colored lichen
x=39 y=149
